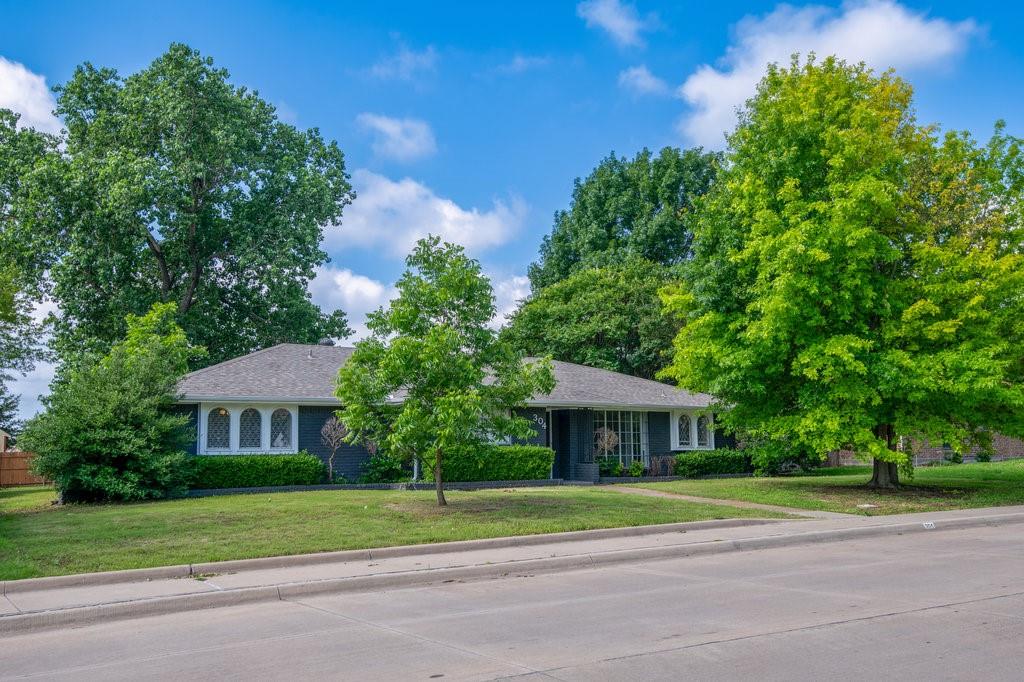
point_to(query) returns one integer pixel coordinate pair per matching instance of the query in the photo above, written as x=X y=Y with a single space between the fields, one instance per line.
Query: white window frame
x=694 y=415
x=645 y=451
x=234 y=413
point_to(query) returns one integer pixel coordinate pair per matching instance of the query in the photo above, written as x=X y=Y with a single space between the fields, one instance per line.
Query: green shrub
x=109 y=432
x=607 y=466
x=711 y=462
x=772 y=457
x=636 y=468
x=983 y=456
x=256 y=471
x=383 y=468
x=502 y=463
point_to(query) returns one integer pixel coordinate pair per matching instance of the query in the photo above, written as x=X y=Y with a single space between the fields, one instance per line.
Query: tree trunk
x=438 y=482
x=885 y=475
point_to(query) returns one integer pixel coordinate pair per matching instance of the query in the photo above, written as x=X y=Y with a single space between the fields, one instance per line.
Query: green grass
x=38 y=540
x=843 y=489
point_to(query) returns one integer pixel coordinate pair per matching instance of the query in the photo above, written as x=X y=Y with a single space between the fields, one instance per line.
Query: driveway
x=942 y=605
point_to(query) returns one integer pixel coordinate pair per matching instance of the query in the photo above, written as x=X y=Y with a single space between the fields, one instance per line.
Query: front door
x=559 y=428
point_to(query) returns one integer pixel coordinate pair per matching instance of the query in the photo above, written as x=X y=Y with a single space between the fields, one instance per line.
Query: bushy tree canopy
x=640 y=207
x=608 y=317
x=433 y=351
x=176 y=186
x=108 y=432
x=857 y=277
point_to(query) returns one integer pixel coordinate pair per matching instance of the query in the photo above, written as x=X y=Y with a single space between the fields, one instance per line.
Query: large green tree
x=857 y=278
x=434 y=380
x=21 y=152
x=176 y=186
x=608 y=317
x=640 y=207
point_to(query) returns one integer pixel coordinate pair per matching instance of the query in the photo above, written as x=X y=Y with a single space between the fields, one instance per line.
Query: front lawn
x=843 y=490
x=39 y=540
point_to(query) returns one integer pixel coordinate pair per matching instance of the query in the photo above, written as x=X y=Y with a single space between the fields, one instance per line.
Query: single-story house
x=276 y=400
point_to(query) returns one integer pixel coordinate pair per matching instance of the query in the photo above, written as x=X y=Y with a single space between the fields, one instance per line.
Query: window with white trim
x=683 y=427
x=281 y=428
x=218 y=429
x=247 y=428
x=692 y=431
x=703 y=431
x=250 y=429
x=620 y=435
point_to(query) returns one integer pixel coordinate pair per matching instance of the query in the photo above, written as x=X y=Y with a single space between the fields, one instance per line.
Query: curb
x=187 y=570
x=206 y=600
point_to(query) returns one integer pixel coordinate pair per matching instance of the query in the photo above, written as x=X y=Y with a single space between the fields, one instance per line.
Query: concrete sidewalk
x=62 y=601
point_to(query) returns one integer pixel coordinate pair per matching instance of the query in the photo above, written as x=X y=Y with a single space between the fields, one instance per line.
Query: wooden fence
x=15 y=469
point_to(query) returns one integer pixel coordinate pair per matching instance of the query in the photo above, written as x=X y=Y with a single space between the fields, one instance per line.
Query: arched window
x=703 y=433
x=218 y=429
x=281 y=429
x=250 y=429
x=685 y=424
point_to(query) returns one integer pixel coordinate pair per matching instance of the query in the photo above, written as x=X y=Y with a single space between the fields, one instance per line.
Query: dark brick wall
x=659 y=438
x=192 y=411
x=349 y=459
x=538 y=417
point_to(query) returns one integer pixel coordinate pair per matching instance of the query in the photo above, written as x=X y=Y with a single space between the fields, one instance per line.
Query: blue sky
x=473 y=119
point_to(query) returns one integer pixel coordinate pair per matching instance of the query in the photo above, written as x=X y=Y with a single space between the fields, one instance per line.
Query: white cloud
x=508 y=292
x=402 y=139
x=881 y=33
x=393 y=214
x=640 y=81
x=26 y=93
x=622 y=22
x=406 y=64
x=522 y=63
x=340 y=288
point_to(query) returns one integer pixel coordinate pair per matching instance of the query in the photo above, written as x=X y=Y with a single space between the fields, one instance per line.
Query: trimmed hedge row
x=501 y=463
x=712 y=462
x=256 y=471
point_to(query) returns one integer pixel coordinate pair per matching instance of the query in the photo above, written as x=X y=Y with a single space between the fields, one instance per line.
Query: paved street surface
x=943 y=605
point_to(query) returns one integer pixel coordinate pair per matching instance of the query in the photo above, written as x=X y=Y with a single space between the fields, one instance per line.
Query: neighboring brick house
x=924 y=453
x=276 y=400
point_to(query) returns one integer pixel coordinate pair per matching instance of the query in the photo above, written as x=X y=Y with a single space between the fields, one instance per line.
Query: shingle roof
x=301 y=373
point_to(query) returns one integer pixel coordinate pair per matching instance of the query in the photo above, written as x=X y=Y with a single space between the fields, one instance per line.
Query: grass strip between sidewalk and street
x=37 y=539
x=935 y=488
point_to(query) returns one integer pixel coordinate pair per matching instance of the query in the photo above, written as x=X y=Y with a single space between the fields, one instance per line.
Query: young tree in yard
x=176 y=186
x=608 y=317
x=856 y=277
x=434 y=380
x=108 y=432
x=640 y=208
x=332 y=435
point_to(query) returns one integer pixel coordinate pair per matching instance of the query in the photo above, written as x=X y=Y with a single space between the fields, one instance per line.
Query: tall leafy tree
x=434 y=380
x=177 y=186
x=857 y=279
x=639 y=207
x=22 y=152
x=608 y=317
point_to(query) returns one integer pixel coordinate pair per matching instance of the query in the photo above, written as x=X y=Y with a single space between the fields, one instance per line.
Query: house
x=276 y=400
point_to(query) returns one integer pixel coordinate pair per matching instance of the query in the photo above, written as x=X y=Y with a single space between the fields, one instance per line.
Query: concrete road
x=936 y=606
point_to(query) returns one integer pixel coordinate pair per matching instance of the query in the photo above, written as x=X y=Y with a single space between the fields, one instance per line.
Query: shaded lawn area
x=39 y=540
x=843 y=489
